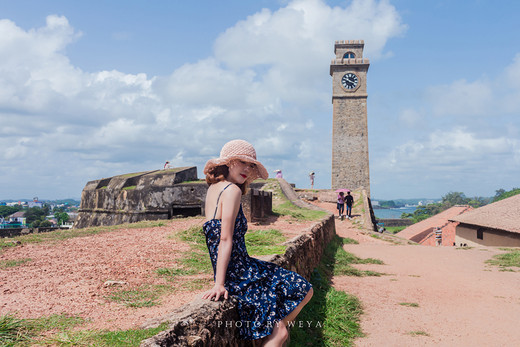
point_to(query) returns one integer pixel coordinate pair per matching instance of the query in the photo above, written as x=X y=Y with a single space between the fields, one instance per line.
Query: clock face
x=349 y=81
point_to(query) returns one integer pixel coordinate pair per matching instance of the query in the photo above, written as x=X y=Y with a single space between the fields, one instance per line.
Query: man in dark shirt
x=349 y=201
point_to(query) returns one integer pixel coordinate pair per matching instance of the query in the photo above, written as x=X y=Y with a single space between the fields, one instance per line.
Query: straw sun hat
x=241 y=150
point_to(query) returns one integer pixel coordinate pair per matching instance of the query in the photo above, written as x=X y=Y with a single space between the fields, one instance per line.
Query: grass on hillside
x=505 y=260
x=64 y=234
x=283 y=207
x=395 y=230
x=344 y=259
x=331 y=318
x=4 y=264
x=287 y=208
x=144 y=296
x=59 y=330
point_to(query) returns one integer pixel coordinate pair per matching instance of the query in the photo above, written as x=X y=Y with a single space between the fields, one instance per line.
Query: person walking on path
x=341 y=204
x=349 y=201
x=269 y=297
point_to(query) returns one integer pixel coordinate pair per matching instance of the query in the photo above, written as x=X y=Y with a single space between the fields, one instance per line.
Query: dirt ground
x=69 y=276
x=461 y=300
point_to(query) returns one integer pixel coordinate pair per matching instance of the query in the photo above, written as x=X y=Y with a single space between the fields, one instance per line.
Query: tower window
x=349 y=55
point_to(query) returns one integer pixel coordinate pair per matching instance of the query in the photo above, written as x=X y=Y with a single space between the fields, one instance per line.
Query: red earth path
x=462 y=301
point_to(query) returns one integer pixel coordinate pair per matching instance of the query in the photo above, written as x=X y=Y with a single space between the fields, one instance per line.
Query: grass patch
x=129 y=188
x=194 y=236
x=395 y=230
x=121 y=338
x=409 y=304
x=283 y=207
x=197 y=283
x=349 y=241
x=342 y=261
x=16 y=331
x=128 y=175
x=4 y=264
x=65 y=234
x=331 y=318
x=505 y=260
x=145 y=296
x=265 y=242
x=287 y=208
x=197 y=260
x=418 y=333
x=171 y=273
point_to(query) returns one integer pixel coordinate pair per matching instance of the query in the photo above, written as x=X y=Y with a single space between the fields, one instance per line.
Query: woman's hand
x=216 y=292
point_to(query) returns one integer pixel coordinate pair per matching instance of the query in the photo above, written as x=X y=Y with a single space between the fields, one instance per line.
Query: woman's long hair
x=220 y=173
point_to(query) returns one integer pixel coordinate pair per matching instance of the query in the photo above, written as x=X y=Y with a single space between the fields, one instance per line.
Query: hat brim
x=261 y=172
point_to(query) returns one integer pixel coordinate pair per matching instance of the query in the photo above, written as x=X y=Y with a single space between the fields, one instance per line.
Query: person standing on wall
x=311 y=177
x=349 y=201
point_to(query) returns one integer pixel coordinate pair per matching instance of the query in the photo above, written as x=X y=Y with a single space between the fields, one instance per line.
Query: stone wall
x=207 y=323
x=256 y=203
x=153 y=195
x=149 y=195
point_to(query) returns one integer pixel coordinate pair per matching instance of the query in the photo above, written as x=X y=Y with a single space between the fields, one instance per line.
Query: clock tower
x=349 y=116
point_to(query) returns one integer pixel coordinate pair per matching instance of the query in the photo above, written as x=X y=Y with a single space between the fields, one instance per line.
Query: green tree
x=9 y=210
x=478 y=201
x=45 y=224
x=34 y=214
x=455 y=198
x=502 y=194
x=61 y=217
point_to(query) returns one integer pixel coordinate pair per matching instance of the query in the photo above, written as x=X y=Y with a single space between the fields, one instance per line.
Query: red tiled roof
x=439 y=220
x=502 y=215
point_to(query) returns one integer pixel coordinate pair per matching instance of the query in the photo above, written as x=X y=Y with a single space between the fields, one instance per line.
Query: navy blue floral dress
x=266 y=293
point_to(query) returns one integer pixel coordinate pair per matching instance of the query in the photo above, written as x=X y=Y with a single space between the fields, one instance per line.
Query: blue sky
x=92 y=89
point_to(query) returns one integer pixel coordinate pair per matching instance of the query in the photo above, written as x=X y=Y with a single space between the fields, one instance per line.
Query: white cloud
x=267 y=82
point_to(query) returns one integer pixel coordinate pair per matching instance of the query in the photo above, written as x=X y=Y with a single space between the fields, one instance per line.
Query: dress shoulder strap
x=216 y=207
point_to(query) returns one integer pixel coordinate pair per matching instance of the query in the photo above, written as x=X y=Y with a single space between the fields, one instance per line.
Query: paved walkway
x=461 y=300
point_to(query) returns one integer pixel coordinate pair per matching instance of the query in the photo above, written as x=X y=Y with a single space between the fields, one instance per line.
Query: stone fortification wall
x=208 y=323
x=141 y=196
x=152 y=195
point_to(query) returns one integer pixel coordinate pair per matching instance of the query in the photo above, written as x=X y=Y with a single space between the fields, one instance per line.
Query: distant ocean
x=392 y=213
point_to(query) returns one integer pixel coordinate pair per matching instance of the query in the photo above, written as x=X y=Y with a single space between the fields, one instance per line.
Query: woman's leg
x=278 y=336
x=280 y=333
x=291 y=316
